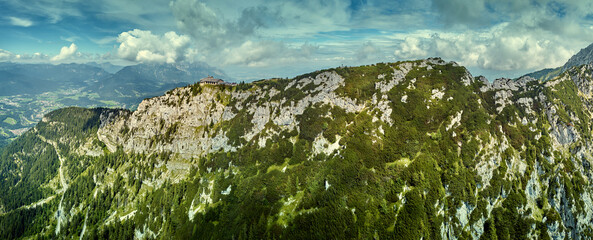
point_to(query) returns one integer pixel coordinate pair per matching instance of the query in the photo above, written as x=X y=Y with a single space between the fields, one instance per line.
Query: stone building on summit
x=215 y=81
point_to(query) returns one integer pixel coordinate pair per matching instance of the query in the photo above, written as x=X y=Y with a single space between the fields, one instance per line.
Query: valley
x=21 y=112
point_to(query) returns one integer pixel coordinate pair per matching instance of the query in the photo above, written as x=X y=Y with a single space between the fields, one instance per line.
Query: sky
x=272 y=38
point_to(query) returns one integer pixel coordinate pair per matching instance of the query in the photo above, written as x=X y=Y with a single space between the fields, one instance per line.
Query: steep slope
x=583 y=57
x=545 y=74
x=30 y=91
x=405 y=150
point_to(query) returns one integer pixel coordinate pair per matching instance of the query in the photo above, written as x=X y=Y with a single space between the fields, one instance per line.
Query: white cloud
x=28 y=58
x=503 y=47
x=21 y=22
x=215 y=24
x=523 y=52
x=143 y=46
x=253 y=35
x=266 y=53
x=38 y=56
x=411 y=47
x=368 y=51
x=211 y=30
x=265 y=35
x=65 y=53
x=6 y=55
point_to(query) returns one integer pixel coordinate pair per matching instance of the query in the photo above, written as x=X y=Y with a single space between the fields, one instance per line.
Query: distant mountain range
x=106 y=66
x=38 y=78
x=29 y=91
x=138 y=81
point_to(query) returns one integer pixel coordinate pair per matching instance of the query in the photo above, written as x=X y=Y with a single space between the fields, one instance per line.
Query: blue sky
x=270 y=38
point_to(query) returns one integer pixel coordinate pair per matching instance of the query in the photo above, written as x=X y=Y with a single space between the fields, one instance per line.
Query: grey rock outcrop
x=584 y=56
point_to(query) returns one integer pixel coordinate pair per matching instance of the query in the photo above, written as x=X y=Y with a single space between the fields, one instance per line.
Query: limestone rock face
x=196 y=120
x=190 y=125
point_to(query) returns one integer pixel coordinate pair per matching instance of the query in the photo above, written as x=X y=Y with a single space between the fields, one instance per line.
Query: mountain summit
x=30 y=91
x=406 y=150
x=584 y=56
x=148 y=80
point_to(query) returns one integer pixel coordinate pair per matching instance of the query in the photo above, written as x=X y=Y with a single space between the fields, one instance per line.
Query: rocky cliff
x=406 y=150
x=584 y=56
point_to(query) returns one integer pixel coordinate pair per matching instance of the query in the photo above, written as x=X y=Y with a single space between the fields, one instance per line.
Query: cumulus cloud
x=540 y=13
x=505 y=35
x=218 y=25
x=143 y=46
x=411 y=47
x=199 y=21
x=21 y=22
x=496 y=35
x=265 y=53
x=522 y=52
x=367 y=51
x=209 y=28
x=37 y=56
x=6 y=55
x=66 y=53
x=253 y=35
x=496 y=49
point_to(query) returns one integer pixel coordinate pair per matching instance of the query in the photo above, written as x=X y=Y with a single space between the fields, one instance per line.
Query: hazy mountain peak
x=106 y=66
x=584 y=56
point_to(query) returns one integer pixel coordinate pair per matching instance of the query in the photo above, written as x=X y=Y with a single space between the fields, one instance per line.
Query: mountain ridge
x=31 y=90
x=584 y=56
x=406 y=150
